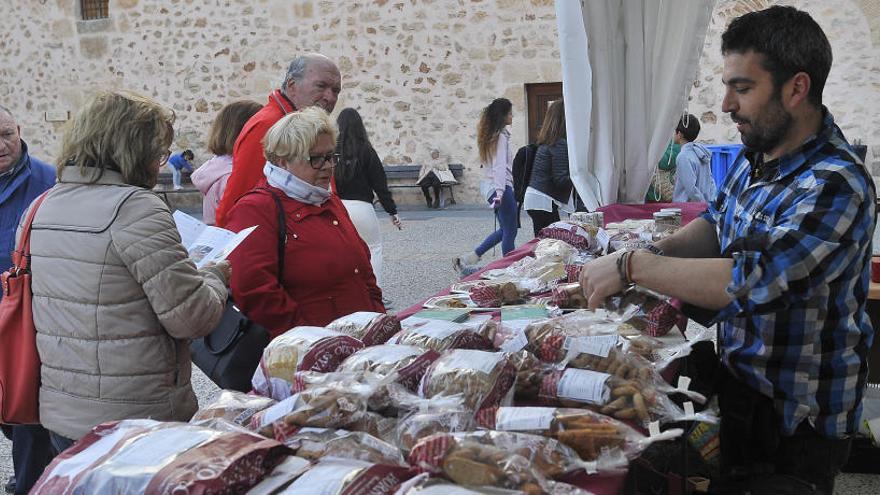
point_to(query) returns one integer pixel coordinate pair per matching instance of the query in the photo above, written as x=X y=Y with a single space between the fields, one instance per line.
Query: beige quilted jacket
x=116 y=301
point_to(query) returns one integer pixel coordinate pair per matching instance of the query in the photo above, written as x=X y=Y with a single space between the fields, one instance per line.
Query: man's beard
x=768 y=128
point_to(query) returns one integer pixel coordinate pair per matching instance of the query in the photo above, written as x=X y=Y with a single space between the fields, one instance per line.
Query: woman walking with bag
x=493 y=143
x=116 y=298
x=358 y=175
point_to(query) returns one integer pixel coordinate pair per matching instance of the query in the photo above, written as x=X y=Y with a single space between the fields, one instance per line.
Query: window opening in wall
x=95 y=9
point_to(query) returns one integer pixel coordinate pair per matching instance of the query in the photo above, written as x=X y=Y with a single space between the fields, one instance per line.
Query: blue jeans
x=506 y=235
x=175 y=176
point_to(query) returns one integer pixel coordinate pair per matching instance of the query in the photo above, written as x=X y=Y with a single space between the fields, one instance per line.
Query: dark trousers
x=756 y=457
x=60 y=443
x=31 y=453
x=429 y=182
x=541 y=219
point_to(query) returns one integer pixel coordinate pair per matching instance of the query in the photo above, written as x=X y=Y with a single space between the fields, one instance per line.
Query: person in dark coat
x=22 y=178
x=550 y=186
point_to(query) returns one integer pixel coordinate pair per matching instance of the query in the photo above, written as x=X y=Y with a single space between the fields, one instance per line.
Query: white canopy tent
x=628 y=66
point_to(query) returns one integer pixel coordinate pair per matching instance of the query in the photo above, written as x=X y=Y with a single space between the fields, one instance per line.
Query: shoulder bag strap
x=23 y=253
x=282 y=233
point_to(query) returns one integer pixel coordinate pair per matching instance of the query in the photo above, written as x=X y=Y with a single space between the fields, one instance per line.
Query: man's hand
x=395 y=219
x=600 y=279
x=495 y=203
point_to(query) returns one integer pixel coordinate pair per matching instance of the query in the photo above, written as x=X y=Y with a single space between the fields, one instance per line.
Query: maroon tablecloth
x=621 y=212
x=599 y=485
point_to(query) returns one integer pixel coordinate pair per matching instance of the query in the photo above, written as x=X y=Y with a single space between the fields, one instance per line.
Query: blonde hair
x=553 y=127
x=294 y=135
x=120 y=131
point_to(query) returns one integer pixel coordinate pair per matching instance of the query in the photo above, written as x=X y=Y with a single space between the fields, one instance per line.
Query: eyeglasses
x=163 y=158
x=317 y=162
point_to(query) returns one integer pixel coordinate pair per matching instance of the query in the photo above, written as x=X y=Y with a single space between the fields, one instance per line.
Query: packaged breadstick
x=517 y=461
x=589 y=433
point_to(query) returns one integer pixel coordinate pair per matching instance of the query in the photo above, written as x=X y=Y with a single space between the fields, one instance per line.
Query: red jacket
x=327 y=271
x=247 y=155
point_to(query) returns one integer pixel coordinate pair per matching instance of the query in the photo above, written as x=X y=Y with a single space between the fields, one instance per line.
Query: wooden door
x=539 y=96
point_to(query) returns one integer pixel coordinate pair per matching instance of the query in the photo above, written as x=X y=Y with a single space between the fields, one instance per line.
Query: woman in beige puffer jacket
x=116 y=299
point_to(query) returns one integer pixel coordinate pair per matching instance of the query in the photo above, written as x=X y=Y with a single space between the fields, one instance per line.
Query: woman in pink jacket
x=211 y=177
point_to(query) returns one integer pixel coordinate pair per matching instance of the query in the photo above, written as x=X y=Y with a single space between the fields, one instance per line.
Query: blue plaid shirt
x=799 y=232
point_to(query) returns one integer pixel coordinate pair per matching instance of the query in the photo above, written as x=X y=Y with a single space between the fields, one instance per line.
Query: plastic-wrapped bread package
x=496 y=294
x=438 y=335
x=283 y=475
x=233 y=406
x=424 y=484
x=368 y=327
x=556 y=250
x=530 y=373
x=578 y=338
x=590 y=434
x=170 y=457
x=517 y=461
x=300 y=349
x=580 y=236
x=647 y=311
x=316 y=443
x=407 y=361
x=613 y=396
x=424 y=417
x=323 y=400
x=484 y=379
x=534 y=274
x=348 y=477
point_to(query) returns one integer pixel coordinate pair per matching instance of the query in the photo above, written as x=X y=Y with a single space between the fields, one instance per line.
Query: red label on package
x=327 y=353
x=410 y=375
x=378 y=480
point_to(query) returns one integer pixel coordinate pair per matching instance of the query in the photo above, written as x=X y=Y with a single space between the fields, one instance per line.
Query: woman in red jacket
x=325 y=271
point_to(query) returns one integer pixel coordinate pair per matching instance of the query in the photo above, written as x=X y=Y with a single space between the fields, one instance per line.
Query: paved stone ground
x=417 y=264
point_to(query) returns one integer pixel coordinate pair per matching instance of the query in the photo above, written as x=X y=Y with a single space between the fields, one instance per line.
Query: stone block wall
x=419 y=71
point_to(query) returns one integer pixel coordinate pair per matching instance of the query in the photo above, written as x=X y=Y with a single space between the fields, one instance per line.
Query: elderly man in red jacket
x=311 y=79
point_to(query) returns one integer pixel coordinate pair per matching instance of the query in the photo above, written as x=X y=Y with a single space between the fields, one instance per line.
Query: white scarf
x=295 y=187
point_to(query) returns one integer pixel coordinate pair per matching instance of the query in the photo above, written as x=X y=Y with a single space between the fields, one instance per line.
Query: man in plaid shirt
x=783 y=256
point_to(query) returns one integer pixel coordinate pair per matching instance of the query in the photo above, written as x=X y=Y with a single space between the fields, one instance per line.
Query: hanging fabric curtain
x=627 y=70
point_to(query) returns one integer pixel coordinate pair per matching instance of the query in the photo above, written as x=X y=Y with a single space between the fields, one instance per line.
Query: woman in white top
x=493 y=142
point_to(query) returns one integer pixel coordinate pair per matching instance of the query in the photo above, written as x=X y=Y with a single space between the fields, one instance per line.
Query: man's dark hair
x=188 y=154
x=790 y=42
x=689 y=127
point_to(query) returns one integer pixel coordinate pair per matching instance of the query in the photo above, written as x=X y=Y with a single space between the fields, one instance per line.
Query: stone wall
x=852 y=91
x=419 y=71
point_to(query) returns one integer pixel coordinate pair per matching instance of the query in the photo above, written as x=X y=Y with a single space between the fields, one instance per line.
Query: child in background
x=211 y=177
x=178 y=162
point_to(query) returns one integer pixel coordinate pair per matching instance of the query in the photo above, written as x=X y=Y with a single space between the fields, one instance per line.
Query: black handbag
x=230 y=354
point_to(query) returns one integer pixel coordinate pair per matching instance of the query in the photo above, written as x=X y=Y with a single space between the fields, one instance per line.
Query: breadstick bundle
x=517 y=461
x=590 y=434
x=368 y=327
x=322 y=400
x=613 y=396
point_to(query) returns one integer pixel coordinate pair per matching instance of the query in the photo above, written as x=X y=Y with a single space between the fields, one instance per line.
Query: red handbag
x=19 y=361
